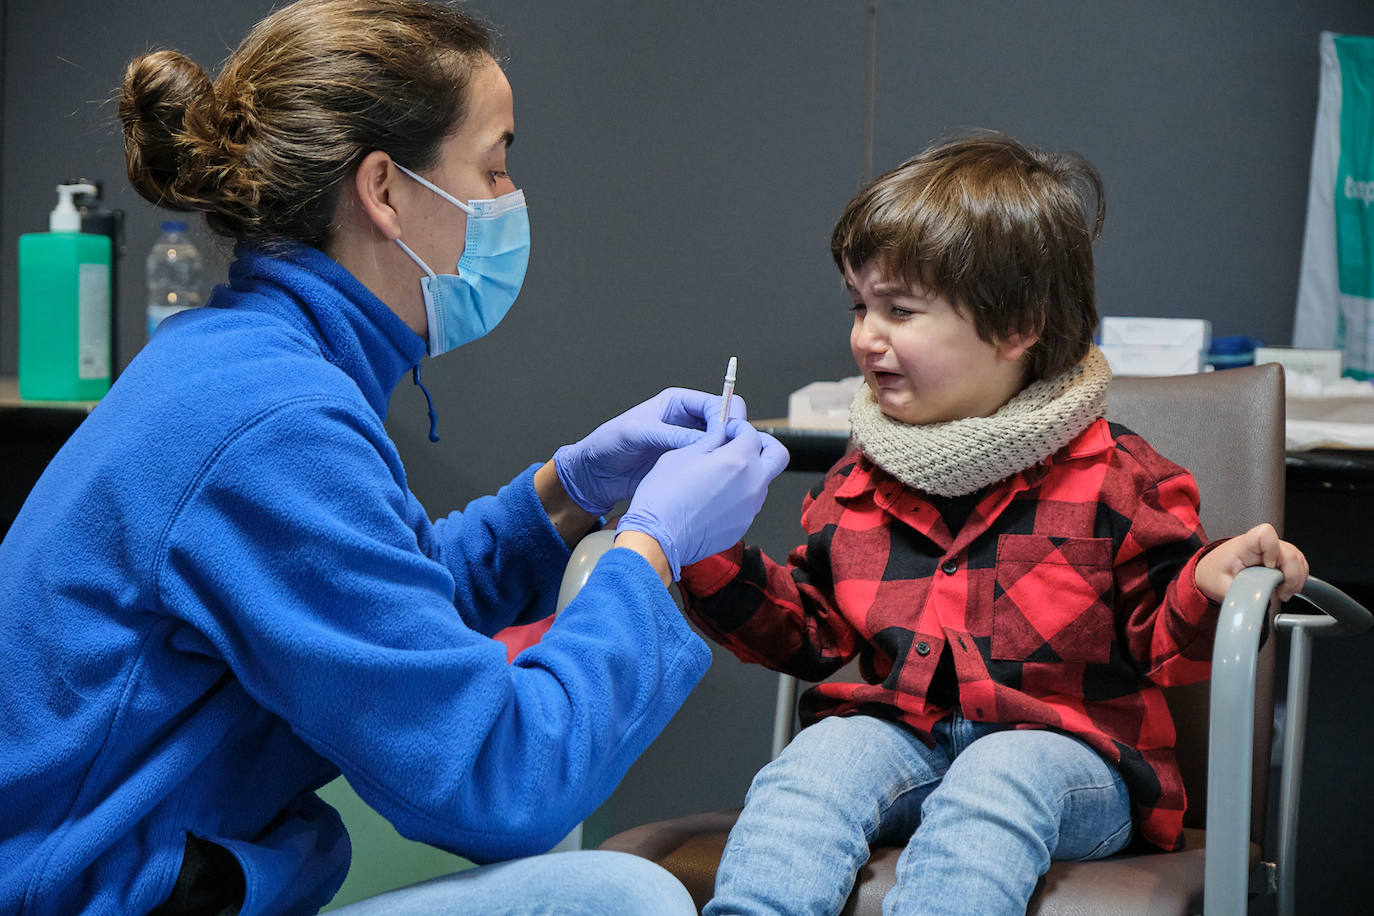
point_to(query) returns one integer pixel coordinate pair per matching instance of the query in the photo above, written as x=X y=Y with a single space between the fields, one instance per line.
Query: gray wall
x=684 y=163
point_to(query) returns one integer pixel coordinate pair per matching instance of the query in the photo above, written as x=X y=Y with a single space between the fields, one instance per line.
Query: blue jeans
x=993 y=806
x=587 y=883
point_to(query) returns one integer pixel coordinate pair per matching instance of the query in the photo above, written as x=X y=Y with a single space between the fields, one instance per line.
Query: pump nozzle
x=65 y=217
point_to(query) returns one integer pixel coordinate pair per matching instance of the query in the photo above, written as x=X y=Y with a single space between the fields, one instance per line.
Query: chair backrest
x=1227 y=428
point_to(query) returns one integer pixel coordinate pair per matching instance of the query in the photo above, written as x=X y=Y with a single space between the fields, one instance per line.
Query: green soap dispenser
x=64 y=307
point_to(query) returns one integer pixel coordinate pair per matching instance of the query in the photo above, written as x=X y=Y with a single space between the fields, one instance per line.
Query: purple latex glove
x=607 y=466
x=700 y=499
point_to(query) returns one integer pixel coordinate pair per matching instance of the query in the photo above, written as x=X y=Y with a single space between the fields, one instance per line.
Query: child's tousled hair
x=1001 y=230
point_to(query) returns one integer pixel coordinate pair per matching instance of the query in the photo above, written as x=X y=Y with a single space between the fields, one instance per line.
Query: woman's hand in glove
x=700 y=499
x=608 y=465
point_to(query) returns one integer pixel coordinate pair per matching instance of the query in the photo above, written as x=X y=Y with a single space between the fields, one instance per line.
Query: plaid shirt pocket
x=1052 y=601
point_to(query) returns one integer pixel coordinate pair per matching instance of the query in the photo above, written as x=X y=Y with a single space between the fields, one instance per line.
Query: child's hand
x=1260 y=546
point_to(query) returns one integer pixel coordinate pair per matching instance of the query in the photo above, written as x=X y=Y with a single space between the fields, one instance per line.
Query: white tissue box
x=1186 y=333
x=1139 y=359
x=823 y=405
x=1323 y=365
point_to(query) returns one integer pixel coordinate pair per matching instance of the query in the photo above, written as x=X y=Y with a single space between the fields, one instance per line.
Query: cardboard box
x=1136 y=359
x=1189 y=333
x=1323 y=365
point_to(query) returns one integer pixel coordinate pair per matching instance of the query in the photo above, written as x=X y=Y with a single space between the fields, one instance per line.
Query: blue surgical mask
x=464 y=306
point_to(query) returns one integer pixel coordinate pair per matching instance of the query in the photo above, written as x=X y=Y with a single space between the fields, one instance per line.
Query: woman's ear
x=374 y=184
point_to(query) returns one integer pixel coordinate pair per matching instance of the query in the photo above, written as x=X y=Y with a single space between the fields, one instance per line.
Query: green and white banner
x=1336 y=285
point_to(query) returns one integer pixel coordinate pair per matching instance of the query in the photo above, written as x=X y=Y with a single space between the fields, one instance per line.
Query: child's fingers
x=1264 y=540
x=1260 y=546
x=1294 y=567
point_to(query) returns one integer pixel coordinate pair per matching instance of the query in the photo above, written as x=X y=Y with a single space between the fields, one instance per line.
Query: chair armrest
x=1230 y=740
x=1337 y=613
x=581 y=564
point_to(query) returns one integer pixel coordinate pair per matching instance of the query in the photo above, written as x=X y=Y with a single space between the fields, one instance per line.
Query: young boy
x=1017 y=576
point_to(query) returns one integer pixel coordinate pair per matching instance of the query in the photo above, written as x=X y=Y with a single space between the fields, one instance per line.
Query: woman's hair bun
x=159 y=90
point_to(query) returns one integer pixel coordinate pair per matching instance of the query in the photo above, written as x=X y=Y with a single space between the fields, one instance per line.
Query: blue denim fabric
x=994 y=807
x=587 y=883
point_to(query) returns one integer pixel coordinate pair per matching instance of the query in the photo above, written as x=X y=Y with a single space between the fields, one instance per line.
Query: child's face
x=922 y=357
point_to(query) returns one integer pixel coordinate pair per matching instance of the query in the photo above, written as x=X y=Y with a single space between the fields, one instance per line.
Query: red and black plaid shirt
x=1065 y=600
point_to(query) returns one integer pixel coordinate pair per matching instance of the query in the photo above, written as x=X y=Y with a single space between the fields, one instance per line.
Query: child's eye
x=857 y=307
x=901 y=312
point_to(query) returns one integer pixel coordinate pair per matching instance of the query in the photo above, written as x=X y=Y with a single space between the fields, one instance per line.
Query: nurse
x=222 y=593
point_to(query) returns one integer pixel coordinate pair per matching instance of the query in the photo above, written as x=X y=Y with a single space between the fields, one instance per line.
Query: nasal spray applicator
x=726 y=394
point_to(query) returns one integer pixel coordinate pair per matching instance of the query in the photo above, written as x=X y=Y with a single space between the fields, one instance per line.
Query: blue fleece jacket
x=222 y=593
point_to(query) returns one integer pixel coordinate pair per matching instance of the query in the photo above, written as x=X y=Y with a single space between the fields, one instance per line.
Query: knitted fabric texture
x=962 y=456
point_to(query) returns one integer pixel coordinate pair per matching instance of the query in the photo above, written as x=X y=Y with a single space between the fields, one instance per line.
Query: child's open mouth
x=886 y=379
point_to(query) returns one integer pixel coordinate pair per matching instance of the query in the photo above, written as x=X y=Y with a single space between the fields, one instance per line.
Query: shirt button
x=923 y=648
x=950 y=568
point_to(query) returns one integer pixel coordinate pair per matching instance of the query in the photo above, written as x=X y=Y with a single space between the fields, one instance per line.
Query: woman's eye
x=497 y=175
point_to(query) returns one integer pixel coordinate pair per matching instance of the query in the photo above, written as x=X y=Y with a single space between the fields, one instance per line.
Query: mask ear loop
x=436 y=189
x=428 y=273
x=416 y=258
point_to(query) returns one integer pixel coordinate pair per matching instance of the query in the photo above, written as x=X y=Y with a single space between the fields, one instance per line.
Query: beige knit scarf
x=962 y=456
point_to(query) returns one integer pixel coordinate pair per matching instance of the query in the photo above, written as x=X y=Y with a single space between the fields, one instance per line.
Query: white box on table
x=1141 y=359
x=1323 y=365
x=1189 y=333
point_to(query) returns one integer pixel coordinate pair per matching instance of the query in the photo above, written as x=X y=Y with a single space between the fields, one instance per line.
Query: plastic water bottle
x=174 y=274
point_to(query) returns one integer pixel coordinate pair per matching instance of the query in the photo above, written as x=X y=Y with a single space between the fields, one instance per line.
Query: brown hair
x=1001 y=230
x=311 y=90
